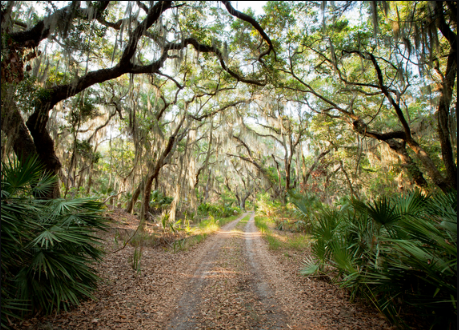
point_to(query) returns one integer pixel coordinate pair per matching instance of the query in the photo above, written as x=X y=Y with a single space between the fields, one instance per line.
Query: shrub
x=306 y=206
x=265 y=206
x=218 y=211
x=400 y=253
x=158 y=200
x=47 y=245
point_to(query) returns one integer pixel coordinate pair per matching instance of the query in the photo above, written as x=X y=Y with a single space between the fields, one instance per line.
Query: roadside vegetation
x=134 y=126
x=398 y=252
x=48 y=246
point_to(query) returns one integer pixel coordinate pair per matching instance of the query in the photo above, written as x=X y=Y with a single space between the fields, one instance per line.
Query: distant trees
x=192 y=95
x=146 y=28
x=365 y=79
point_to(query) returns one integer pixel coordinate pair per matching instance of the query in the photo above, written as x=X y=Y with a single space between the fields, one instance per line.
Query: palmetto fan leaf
x=48 y=246
x=399 y=251
x=382 y=211
x=411 y=204
x=310 y=267
x=26 y=176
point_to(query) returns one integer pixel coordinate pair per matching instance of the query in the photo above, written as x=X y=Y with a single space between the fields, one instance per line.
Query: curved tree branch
x=254 y=23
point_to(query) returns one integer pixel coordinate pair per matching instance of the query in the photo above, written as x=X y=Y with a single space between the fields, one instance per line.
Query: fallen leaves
x=229 y=298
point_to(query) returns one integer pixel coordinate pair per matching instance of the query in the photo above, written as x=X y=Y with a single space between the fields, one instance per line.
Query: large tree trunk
x=207 y=187
x=130 y=205
x=15 y=129
x=44 y=145
x=408 y=164
x=446 y=91
x=287 y=174
x=434 y=173
x=178 y=187
x=175 y=201
x=191 y=175
x=239 y=201
x=23 y=145
x=243 y=200
x=281 y=193
x=242 y=204
x=168 y=151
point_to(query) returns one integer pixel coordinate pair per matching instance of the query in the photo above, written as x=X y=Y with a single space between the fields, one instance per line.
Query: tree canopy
x=334 y=120
x=125 y=98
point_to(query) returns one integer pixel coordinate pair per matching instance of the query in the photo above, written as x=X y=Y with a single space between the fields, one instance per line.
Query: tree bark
x=434 y=173
x=15 y=129
x=283 y=194
x=243 y=200
x=399 y=148
x=422 y=155
x=178 y=187
x=130 y=205
x=168 y=151
x=207 y=187
x=446 y=90
x=408 y=164
x=307 y=175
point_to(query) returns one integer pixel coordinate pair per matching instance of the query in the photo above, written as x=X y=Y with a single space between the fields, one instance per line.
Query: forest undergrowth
x=134 y=131
x=398 y=253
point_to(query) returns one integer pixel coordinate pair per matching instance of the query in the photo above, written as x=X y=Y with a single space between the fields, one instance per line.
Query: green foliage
x=306 y=206
x=265 y=205
x=47 y=245
x=399 y=252
x=297 y=242
x=201 y=231
x=218 y=211
x=135 y=259
x=158 y=200
x=263 y=223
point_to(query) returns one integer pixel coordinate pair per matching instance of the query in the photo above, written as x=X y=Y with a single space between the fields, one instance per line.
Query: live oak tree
x=155 y=27
x=177 y=89
x=362 y=80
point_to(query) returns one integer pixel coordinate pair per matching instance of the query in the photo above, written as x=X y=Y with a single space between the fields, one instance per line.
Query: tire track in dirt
x=253 y=252
x=186 y=312
x=308 y=303
x=228 y=289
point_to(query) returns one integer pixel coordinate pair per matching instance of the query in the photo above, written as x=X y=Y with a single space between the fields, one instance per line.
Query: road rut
x=228 y=289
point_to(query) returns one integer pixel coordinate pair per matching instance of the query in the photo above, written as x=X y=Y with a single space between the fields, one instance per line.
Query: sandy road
x=229 y=281
x=227 y=289
x=238 y=283
x=199 y=271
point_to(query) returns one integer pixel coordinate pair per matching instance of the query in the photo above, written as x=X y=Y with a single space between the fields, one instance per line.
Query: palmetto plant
x=48 y=246
x=306 y=204
x=400 y=252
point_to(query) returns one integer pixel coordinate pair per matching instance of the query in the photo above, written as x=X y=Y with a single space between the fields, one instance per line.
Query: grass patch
x=243 y=222
x=300 y=242
x=211 y=225
x=262 y=224
x=201 y=231
x=275 y=241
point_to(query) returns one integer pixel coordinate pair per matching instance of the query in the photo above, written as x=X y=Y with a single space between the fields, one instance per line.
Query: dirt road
x=230 y=281
x=240 y=284
x=227 y=289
